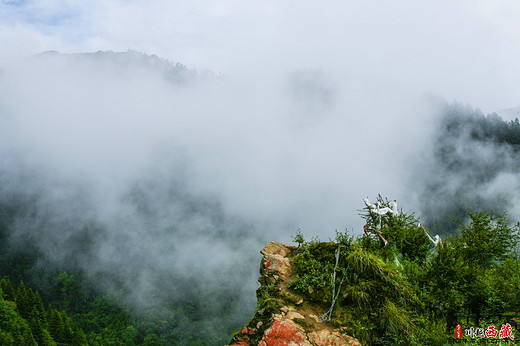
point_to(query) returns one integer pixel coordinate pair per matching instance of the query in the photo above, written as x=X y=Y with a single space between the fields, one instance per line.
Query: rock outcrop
x=285 y=318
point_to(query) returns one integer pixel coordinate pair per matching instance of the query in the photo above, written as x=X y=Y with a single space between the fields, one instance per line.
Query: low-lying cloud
x=158 y=180
x=130 y=165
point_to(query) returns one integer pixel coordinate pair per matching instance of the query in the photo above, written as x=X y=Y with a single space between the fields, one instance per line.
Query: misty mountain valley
x=136 y=194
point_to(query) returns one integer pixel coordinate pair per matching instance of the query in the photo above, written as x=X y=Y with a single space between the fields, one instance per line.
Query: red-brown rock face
x=287 y=319
x=284 y=332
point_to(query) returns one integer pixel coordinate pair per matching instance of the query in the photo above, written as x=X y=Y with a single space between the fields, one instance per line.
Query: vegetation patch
x=396 y=285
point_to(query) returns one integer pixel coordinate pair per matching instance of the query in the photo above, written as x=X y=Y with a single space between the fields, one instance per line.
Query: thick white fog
x=285 y=151
x=163 y=178
x=154 y=179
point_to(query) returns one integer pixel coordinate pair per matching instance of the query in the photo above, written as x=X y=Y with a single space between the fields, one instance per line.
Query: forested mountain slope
x=473 y=164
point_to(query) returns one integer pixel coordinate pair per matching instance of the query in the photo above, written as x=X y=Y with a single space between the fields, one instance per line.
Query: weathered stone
x=326 y=337
x=293 y=314
x=284 y=332
x=276 y=248
x=277 y=317
x=290 y=313
x=277 y=264
x=274 y=260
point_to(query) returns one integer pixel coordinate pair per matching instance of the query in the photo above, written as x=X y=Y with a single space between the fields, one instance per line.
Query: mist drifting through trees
x=153 y=179
x=160 y=186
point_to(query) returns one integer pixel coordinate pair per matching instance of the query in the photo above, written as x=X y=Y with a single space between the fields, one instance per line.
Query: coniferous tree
x=14 y=330
x=68 y=334
x=22 y=300
x=7 y=289
x=78 y=337
x=56 y=327
x=457 y=276
x=40 y=333
x=36 y=310
x=38 y=304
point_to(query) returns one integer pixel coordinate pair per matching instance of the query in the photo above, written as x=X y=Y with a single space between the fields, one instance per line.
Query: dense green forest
x=75 y=314
x=395 y=287
x=78 y=314
x=87 y=313
x=93 y=317
x=25 y=321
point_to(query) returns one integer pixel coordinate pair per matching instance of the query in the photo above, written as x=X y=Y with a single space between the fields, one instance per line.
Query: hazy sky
x=466 y=50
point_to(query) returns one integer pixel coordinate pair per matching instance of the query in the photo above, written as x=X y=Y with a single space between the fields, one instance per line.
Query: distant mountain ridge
x=130 y=60
x=478 y=155
x=509 y=113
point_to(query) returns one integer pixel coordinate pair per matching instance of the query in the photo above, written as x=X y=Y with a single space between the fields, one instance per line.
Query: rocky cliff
x=284 y=317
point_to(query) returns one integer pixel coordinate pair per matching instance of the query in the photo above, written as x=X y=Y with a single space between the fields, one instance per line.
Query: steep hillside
x=472 y=164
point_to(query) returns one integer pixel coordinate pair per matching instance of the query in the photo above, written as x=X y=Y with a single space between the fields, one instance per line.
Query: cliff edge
x=284 y=317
